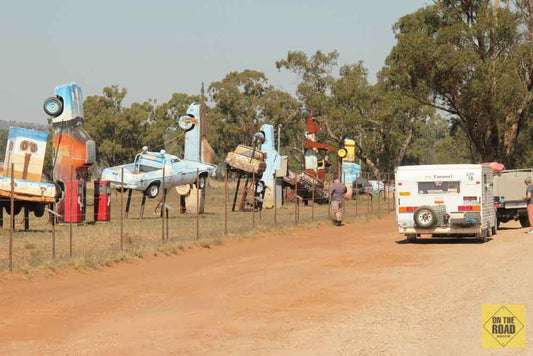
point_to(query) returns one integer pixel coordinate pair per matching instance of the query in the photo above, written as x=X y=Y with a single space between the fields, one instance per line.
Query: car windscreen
x=439 y=187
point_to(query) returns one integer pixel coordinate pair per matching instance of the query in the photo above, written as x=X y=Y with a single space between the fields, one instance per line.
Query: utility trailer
x=449 y=200
x=509 y=191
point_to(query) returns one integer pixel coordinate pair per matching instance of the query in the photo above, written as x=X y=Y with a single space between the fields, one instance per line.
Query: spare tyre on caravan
x=445 y=200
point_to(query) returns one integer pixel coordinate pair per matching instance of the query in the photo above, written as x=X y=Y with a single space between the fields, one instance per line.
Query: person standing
x=336 y=195
x=529 y=199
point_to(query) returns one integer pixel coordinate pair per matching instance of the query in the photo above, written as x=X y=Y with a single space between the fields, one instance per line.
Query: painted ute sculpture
x=25 y=151
x=146 y=172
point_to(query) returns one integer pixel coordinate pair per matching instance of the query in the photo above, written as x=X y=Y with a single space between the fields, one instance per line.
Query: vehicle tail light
x=407 y=209
x=469 y=207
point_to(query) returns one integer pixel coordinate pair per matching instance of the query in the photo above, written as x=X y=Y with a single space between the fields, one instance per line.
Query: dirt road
x=350 y=290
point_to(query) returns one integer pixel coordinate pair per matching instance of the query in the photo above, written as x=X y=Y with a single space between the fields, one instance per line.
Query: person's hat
x=527 y=180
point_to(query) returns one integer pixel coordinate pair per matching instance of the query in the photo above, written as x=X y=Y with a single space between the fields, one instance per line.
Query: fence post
x=275 y=200
x=345 y=201
x=163 y=206
x=296 y=200
x=53 y=232
x=389 y=198
x=313 y=202
x=12 y=210
x=122 y=209
x=369 y=197
x=226 y=202
x=71 y=210
x=356 y=193
x=197 y=203
x=253 y=199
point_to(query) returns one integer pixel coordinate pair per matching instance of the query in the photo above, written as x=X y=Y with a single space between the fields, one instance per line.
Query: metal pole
x=12 y=210
x=329 y=205
x=163 y=203
x=344 y=201
x=275 y=201
x=71 y=203
x=53 y=232
x=166 y=224
x=279 y=138
x=253 y=199
x=197 y=204
x=122 y=209
x=368 y=197
x=226 y=202
x=296 y=200
x=356 y=193
x=388 y=198
x=313 y=203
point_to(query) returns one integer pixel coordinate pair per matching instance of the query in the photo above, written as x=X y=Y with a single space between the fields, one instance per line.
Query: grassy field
x=96 y=244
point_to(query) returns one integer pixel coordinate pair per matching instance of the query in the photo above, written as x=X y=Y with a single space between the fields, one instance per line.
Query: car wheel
x=53 y=106
x=425 y=217
x=152 y=191
x=119 y=189
x=524 y=221
x=38 y=210
x=411 y=237
x=200 y=184
x=482 y=237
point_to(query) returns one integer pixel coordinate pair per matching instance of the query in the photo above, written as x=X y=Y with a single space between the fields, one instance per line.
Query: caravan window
x=438 y=187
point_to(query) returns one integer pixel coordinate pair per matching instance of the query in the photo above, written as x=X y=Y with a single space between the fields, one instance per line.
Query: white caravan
x=448 y=199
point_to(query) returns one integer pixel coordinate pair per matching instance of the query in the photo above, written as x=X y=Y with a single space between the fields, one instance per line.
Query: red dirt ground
x=357 y=289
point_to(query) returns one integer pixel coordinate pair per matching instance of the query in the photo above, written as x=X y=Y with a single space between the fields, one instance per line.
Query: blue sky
x=158 y=47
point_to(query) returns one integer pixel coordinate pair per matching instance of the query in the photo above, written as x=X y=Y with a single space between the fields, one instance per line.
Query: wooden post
x=226 y=202
x=122 y=209
x=71 y=210
x=12 y=216
x=197 y=204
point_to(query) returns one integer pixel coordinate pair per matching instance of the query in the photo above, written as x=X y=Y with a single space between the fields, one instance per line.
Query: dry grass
x=98 y=244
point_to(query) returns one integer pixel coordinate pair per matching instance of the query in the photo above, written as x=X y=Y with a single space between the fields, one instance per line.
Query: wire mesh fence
x=91 y=242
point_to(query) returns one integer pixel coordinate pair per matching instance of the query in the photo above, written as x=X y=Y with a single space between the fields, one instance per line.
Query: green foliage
x=475 y=62
x=120 y=132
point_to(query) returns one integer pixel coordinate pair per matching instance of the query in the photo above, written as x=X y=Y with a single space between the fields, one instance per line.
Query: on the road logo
x=503 y=326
